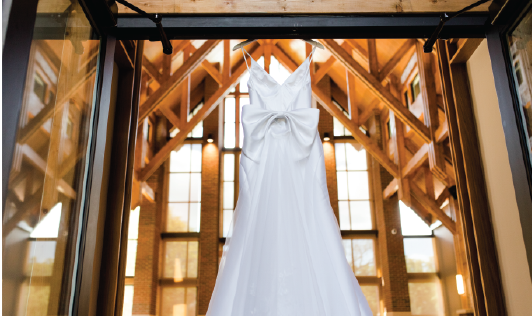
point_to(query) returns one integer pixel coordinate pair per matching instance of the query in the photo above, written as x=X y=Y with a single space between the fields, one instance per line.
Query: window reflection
x=48 y=173
x=520 y=42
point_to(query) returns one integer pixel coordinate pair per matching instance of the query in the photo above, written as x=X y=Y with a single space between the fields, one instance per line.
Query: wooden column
x=210 y=219
x=425 y=64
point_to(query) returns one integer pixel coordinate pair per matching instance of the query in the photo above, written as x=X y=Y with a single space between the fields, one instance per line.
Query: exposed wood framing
x=376 y=87
x=158 y=96
x=372 y=55
x=324 y=68
x=432 y=207
x=207 y=108
x=401 y=53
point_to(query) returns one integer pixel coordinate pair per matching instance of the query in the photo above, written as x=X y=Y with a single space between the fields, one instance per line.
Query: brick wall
x=147 y=263
x=210 y=190
x=326 y=126
x=391 y=250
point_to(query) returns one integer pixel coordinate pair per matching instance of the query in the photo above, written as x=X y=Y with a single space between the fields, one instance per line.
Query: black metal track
x=135 y=27
x=298 y=26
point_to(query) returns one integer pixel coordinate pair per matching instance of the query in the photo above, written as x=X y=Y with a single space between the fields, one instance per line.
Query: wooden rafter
x=324 y=68
x=207 y=108
x=353 y=127
x=378 y=89
x=188 y=66
x=401 y=53
x=151 y=69
x=432 y=207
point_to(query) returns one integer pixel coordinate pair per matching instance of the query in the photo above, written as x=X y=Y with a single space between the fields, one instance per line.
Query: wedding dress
x=284 y=253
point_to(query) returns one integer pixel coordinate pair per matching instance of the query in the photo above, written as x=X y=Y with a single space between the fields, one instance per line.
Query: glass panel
x=45 y=194
x=230 y=111
x=177 y=218
x=191 y=301
x=348 y=251
x=194 y=214
x=364 y=257
x=229 y=167
x=192 y=269
x=229 y=195
x=133 y=231
x=341 y=178
x=229 y=135
x=227 y=217
x=195 y=158
x=339 y=149
x=175 y=261
x=345 y=219
x=425 y=298
x=173 y=301
x=195 y=187
x=360 y=215
x=180 y=160
x=358 y=185
x=520 y=42
x=419 y=255
x=128 y=301
x=411 y=223
x=356 y=160
x=131 y=257
x=178 y=189
x=338 y=127
x=371 y=292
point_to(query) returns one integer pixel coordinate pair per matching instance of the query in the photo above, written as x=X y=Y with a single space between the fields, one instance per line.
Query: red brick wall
x=390 y=240
x=147 y=263
x=209 y=225
x=326 y=126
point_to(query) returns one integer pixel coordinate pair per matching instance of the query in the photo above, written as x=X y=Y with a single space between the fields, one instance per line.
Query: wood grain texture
x=376 y=88
x=289 y=6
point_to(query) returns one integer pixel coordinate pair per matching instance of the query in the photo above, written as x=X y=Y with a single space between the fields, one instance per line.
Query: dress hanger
x=249 y=41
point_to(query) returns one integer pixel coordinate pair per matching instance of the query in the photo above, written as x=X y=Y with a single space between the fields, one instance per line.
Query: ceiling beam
x=401 y=53
x=324 y=68
x=153 y=102
x=432 y=207
x=378 y=89
x=163 y=154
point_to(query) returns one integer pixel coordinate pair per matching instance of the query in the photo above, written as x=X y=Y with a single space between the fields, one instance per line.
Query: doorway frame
x=134 y=28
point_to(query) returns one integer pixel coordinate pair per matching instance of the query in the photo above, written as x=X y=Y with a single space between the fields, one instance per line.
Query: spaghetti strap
x=244 y=52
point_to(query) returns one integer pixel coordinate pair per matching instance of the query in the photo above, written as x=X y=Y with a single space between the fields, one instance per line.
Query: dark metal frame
x=20 y=33
x=513 y=125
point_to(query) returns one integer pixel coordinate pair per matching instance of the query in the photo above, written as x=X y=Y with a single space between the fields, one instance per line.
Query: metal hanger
x=249 y=41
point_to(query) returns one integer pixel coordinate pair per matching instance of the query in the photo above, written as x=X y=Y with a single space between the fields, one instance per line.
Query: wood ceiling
x=282 y=7
x=366 y=77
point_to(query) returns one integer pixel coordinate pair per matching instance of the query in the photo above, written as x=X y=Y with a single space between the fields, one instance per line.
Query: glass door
x=46 y=191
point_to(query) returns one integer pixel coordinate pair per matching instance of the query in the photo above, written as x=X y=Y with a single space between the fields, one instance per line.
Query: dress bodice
x=294 y=93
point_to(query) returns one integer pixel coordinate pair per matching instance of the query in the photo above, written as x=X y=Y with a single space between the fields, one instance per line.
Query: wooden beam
x=180 y=47
x=151 y=69
x=398 y=139
x=153 y=102
x=444 y=195
x=267 y=55
x=465 y=48
x=358 y=49
x=327 y=103
x=184 y=105
x=430 y=109
x=421 y=211
x=351 y=96
x=163 y=154
x=226 y=68
x=390 y=190
x=212 y=71
x=376 y=87
x=324 y=68
x=432 y=207
x=372 y=55
x=171 y=116
x=401 y=53
x=417 y=161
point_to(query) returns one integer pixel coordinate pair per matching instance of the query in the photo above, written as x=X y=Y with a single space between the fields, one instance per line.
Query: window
x=407 y=103
x=425 y=298
x=419 y=255
x=178 y=301
x=184 y=189
x=360 y=254
x=371 y=292
x=353 y=188
x=339 y=128
x=415 y=88
x=132 y=241
x=228 y=191
x=197 y=132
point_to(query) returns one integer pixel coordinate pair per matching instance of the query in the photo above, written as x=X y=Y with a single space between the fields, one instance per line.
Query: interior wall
x=515 y=273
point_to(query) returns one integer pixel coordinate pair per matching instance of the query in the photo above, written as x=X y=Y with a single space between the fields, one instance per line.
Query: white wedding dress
x=284 y=254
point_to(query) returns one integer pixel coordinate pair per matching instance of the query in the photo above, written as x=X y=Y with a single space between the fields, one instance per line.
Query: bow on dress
x=300 y=125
